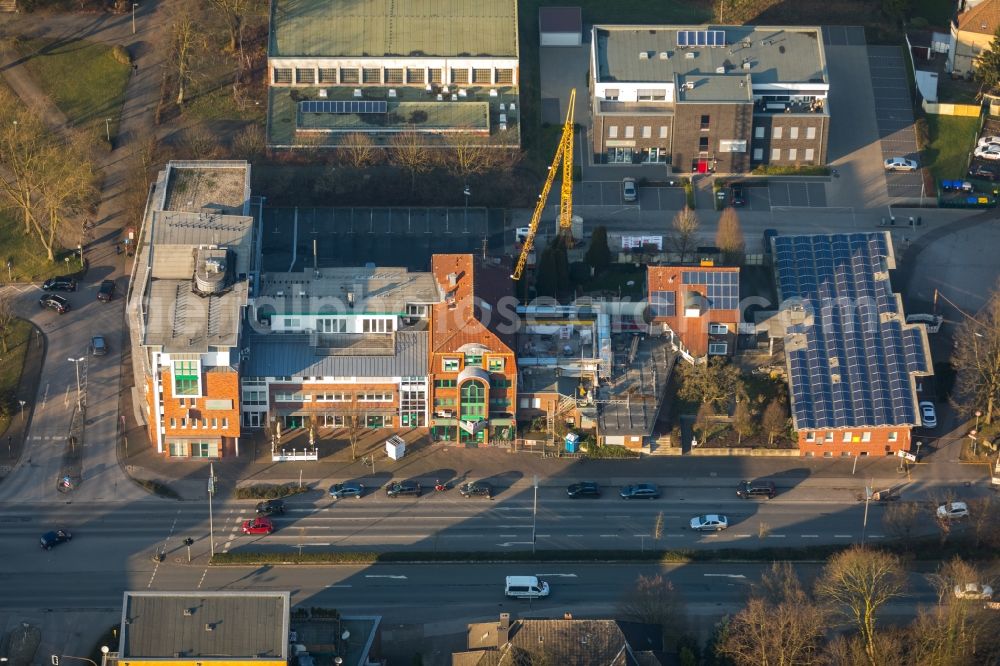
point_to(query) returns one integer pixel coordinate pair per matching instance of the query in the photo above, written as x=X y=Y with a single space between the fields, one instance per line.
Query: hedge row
x=264 y=491
x=917 y=549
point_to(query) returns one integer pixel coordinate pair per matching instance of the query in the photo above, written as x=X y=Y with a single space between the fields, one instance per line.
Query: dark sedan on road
x=54 y=538
x=737 y=195
x=583 y=489
x=403 y=488
x=347 y=489
x=59 y=283
x=640 y=491
x=98 y=346
x=270 y=508
x=476 y=489
x=107 y=291
x=54 y=302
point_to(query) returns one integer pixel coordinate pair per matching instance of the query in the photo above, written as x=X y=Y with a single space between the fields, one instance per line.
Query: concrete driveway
x=894 y=115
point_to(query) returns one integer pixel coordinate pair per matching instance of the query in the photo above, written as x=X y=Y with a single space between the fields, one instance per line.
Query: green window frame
x=473 y=359
x=445 y=383
x=495 y=364
x=187 y=378
x=449 y=365
x=472 y=401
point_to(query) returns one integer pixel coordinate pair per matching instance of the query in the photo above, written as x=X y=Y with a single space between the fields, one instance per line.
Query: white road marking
x=775 y=536
x=841 y=536
x=742 y=536
x=675 y=535
x=809 y=536
x=300 y=545
x=875 y=536
x=513 y=527
x=508 y=544
x=714 y=575
x=507 y=536
x=464 y=536
x=574 y=536
x=609 y=536
x=202 y=579
x=556 y=575
x=385 y=576
x=329 y=586
x=641 y=535
x=543 y=536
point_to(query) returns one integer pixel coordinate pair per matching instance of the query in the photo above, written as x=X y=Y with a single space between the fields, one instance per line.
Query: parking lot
x=385 y=236
x=894 y=116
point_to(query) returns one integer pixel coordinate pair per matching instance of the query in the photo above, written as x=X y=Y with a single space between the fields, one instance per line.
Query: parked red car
x=259 y=525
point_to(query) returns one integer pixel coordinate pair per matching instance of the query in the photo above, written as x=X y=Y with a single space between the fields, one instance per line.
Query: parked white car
x=973 y=591
x=987 y=140
x=953 y=510
x=900 y=164
x=928 y=417
x=988 y=152
x=709 y=523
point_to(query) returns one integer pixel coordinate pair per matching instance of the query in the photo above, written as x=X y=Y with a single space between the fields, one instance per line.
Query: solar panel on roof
x=343 y=106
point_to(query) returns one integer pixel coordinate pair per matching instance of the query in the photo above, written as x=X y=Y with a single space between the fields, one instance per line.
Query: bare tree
x=774 y=420
x=24 y=147
x=729 y=237
x=468 y=156
x=68 y=186
x=249 y=143
x=954 y=572
x=858 y=582
x=984 y=520
x=409 y=152
x=781 y=624
x=743 y=420
x=853 y=650
x=7 y=318
x=184 y=38
x=359 y=150
x=685 y=227
x=233 y=13
x=977 y=360
x=716 y=382
x=655 y=600
x=703 y=420
x=900 y=519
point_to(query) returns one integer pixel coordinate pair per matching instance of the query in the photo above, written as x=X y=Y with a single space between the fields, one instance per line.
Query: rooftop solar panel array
x=701 y=38
x=722 y=288
x=854 y=368
x=343 y=106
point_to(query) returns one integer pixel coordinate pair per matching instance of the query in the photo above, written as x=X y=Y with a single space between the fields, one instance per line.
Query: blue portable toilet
x=572 y=442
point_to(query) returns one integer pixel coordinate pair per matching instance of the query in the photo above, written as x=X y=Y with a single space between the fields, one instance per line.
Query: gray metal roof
x=375 y=290
x=284 y=355
x=172 y=228
x=375 y=28
x=208 y=626
x=776 y=55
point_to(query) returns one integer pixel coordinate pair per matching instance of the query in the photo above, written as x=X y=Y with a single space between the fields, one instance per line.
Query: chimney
x=350 y=299
x=503 y=630
x=567 y=616
x=452 y=280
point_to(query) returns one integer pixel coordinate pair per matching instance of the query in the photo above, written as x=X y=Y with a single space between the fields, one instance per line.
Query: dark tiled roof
x=560 y=19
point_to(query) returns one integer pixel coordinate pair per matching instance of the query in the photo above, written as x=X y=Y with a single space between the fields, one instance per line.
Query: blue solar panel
x=662 y=304
x=701 y=38
x=722 y=288
x=343 y=106
x=855 y=368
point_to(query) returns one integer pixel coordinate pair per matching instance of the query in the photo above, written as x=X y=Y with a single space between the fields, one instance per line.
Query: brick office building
x=698 y=305
x=185 y=307
x=473 y=368
x=709 y=98
x=852 y=361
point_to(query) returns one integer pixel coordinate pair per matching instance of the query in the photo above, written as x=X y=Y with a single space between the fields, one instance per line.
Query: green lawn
x=951 y=140
x=617 y=278
x=26 y=254
x=82 y=78
x=11 y=365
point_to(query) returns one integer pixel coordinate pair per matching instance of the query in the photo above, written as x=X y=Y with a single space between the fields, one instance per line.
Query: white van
x=525 y=587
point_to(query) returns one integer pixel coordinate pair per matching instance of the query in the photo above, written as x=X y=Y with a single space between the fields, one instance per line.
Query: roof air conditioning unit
x=357 y=92
x=720 y=70
x=691 y=55
x=392 y=92
x=643 y=55
x=746 y=66
x=664 y=55
x=322 y=93
x=688 y=85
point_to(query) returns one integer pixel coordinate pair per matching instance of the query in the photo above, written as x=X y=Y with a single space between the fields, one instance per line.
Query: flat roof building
x=709 y=98
x=439 y=68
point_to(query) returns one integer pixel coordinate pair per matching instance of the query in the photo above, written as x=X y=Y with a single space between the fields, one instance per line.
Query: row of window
x=193 y=449
x=495 y=382
x=390 y=75
x=203 y=423
x=330 y=325
x=493 y=363
x=646 y=131
x=847 y=437
x=777 y=131
x=622 y=155
x=808 y=154
x=299 y=396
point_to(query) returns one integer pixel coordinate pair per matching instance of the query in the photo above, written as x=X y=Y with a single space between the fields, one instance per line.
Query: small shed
x=560 y=26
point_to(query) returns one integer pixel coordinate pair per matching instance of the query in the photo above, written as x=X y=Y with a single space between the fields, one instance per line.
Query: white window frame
x=758 y=154
x=811 y=436
x=663 y=131
x=776 y=132
x=759 y=132
x=793 y=132
x=810 y=133
x=793 y=154
x=828 y=437
x=450 y=365
x=718 y=329
x=866 y=436
x=629 y=131
x=647 y=131
x=847 y=437
x=612 y=131
x=810 y=155
x=718 y=348
x=893 y=435
x=775 y=154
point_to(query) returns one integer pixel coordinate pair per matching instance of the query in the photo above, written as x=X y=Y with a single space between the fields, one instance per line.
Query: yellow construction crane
x=564 y=153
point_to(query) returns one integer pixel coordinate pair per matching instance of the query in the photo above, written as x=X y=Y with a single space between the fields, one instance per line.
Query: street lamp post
x=135 y=5
x=23 y=403
x=76 y=362
x=978 y=414
x=211 y=492
x=107 y=128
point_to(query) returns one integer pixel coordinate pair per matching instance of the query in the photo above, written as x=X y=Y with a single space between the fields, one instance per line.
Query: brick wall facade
x=190 y=418
x=694 y=140
x=884 y=441
x=782 y=139
x=612 y=131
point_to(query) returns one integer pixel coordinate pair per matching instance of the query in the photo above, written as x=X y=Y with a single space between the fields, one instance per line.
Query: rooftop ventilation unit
x=746 y=66
x=720 y=70
x=322 y=93
x=643 y=55
x=210 y=270
x=664 y=55
x=688 y=85
x=690 y=55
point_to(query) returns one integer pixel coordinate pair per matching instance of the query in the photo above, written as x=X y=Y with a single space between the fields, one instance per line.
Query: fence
x=948 y=109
